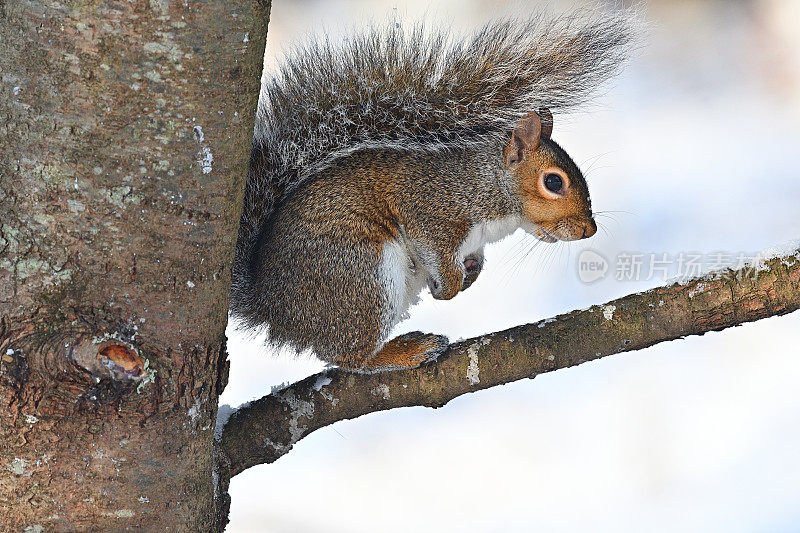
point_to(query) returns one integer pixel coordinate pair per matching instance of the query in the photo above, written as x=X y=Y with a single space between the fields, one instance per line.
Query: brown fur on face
x=531 y=155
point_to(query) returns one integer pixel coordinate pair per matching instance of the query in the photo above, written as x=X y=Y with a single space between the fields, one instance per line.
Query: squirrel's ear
x=525 y=136
x=547 y=122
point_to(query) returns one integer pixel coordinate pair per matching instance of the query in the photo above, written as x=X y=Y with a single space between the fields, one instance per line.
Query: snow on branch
x=264 y=430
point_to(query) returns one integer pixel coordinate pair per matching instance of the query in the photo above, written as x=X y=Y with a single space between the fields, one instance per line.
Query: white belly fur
x=402 y=277
x=488 y=232
x=403 y=273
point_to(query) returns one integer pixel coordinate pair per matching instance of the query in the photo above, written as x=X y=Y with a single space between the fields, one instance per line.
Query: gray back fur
x=418 y=90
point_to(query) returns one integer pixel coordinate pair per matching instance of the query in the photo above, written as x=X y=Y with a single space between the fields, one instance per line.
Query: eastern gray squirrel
x=385 y=164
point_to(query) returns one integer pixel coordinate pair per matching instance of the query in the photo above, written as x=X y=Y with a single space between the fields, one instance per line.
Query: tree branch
x=266 y=429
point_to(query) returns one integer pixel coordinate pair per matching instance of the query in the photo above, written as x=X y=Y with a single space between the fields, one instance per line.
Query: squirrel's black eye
x=553 y=183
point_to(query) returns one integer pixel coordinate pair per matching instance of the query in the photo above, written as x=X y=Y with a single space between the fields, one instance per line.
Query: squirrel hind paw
x=409 y=350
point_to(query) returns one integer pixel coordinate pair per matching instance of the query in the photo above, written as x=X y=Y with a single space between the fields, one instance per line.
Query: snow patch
x=698 y=289
x=473 y=370
x=194 y=411
x=322 y=381
x=790 y=252
x=299 y=408
x=224 y=412
x=280 y=448
x=279 y=387
x=207 y=159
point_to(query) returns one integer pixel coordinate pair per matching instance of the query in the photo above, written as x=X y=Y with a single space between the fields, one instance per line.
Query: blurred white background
x=694 y=148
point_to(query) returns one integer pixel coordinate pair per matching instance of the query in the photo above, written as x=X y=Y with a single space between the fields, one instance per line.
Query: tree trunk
x=123 y=150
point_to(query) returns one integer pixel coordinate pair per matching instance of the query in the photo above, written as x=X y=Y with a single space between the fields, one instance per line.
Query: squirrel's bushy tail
x=417 y=89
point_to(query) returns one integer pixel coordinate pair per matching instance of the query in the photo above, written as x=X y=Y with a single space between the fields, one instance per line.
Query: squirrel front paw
x=447 y=289
x=449 y=280
x=473 y=264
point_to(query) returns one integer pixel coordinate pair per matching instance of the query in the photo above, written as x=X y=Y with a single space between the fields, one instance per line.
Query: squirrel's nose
x=589 y=229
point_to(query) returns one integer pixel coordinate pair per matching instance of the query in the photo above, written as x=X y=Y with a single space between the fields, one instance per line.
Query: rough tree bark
x=124 y=141
x=123 y=149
